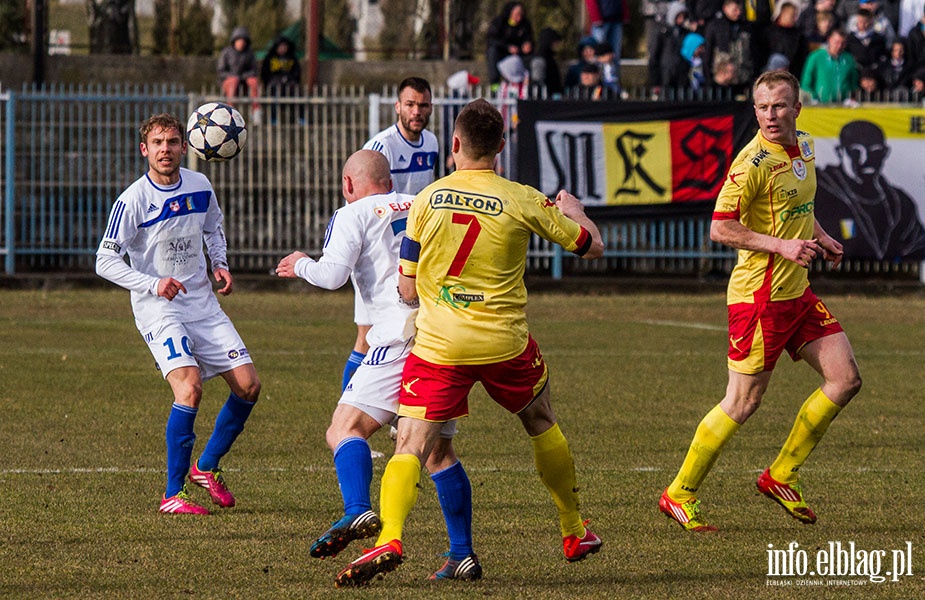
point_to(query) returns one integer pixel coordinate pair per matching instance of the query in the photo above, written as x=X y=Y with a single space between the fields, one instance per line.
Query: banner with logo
x=639 y=156
x=870 y=191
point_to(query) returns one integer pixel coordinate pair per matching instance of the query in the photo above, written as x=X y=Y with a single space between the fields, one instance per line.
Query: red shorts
x=760 y=332
x=439 y=393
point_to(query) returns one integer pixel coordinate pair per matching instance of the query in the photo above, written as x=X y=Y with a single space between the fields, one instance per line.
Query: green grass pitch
x=82 y=417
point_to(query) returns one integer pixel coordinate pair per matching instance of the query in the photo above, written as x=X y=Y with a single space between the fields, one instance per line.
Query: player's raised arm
x=572 y=208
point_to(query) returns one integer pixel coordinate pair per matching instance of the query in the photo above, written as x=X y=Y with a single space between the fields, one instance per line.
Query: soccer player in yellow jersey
x=464 y=258
x=765 y=210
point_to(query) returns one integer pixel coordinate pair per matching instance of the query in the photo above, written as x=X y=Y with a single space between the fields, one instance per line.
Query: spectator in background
x=704 y=11
x=589 y=85
x=880 y=23
x=916 y=43
x=509 y=33
x=237 y=66
x=830 y=74
x=585 y=56
x=604 y=55
x=544 y=68
x=760 y=15
x=816 y=24
x=785 y=40
x=731 y=36
x=869 y=85
x=607 y=18
x=281 y=72
x=896 y=71
x=918 y=85
x=667 y=68
x=724 y=74
x=692 y=52
x=866 y=45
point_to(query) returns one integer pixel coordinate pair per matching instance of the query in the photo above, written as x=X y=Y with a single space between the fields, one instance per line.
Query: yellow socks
x=810 y=425
x=557 y=472
x=714 y=431
x=399 y=492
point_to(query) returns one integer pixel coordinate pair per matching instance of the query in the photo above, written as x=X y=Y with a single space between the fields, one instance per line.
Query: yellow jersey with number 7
x=467 y=240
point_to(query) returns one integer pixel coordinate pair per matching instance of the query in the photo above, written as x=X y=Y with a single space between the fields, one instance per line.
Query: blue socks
x=228 y=424
x=455 y=494
x=354 y=467
x=350 y=368
x=180 y=440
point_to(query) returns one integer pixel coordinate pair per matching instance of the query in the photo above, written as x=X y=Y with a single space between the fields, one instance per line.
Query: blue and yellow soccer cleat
x=686 y=514
x=377 y=561
x=344 y=531
x=788 y=495
x=467 y=569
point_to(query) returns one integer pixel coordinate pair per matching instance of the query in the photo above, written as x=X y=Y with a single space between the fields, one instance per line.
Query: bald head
x=366 y=172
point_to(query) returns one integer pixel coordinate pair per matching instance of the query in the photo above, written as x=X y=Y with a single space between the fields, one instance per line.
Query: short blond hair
x=775 y=78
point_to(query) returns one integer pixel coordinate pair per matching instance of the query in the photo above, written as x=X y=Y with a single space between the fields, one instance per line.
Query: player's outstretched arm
x=572 y=208
x=224 y=277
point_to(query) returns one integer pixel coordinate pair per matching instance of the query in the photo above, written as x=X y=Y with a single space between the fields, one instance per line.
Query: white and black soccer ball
x=216 y=132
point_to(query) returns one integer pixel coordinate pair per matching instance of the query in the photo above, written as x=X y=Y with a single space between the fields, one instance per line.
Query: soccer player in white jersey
x=364 y=239
x=412 y=151
x=161 y=222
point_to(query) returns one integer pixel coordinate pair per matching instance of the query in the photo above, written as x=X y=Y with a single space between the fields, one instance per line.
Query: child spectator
x=604 y=55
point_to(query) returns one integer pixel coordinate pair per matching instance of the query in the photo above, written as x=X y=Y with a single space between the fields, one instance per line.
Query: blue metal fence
x=68 y=152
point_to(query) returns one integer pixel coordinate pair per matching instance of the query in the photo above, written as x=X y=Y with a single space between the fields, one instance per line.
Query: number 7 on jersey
x=473 y=228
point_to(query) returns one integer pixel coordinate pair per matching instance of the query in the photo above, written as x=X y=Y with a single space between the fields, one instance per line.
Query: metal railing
x=68 y=152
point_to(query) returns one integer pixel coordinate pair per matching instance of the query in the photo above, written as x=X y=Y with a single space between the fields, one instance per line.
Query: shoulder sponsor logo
x=459 y=201
x=762 y=154
x=805 y=149
x=732 y=178
x=549 y=203
x=111 y=245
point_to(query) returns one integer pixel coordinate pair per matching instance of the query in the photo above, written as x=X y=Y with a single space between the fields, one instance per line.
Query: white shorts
x=374 y=386
x=211 y=344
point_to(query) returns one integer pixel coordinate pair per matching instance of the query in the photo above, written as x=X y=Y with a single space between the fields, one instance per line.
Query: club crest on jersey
x=174 y=206
x=799 y=169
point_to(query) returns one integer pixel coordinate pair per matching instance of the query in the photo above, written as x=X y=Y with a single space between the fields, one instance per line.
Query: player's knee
x=188 y=394
x=250 y=391
x=852 y=385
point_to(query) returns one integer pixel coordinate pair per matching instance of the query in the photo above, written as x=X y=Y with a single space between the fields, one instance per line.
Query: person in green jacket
x=830 y=73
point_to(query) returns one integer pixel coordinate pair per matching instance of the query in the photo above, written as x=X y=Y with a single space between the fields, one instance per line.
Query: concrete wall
x=197 y=73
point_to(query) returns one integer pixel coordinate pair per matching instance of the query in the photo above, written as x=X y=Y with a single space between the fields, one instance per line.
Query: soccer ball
x=216 y=132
